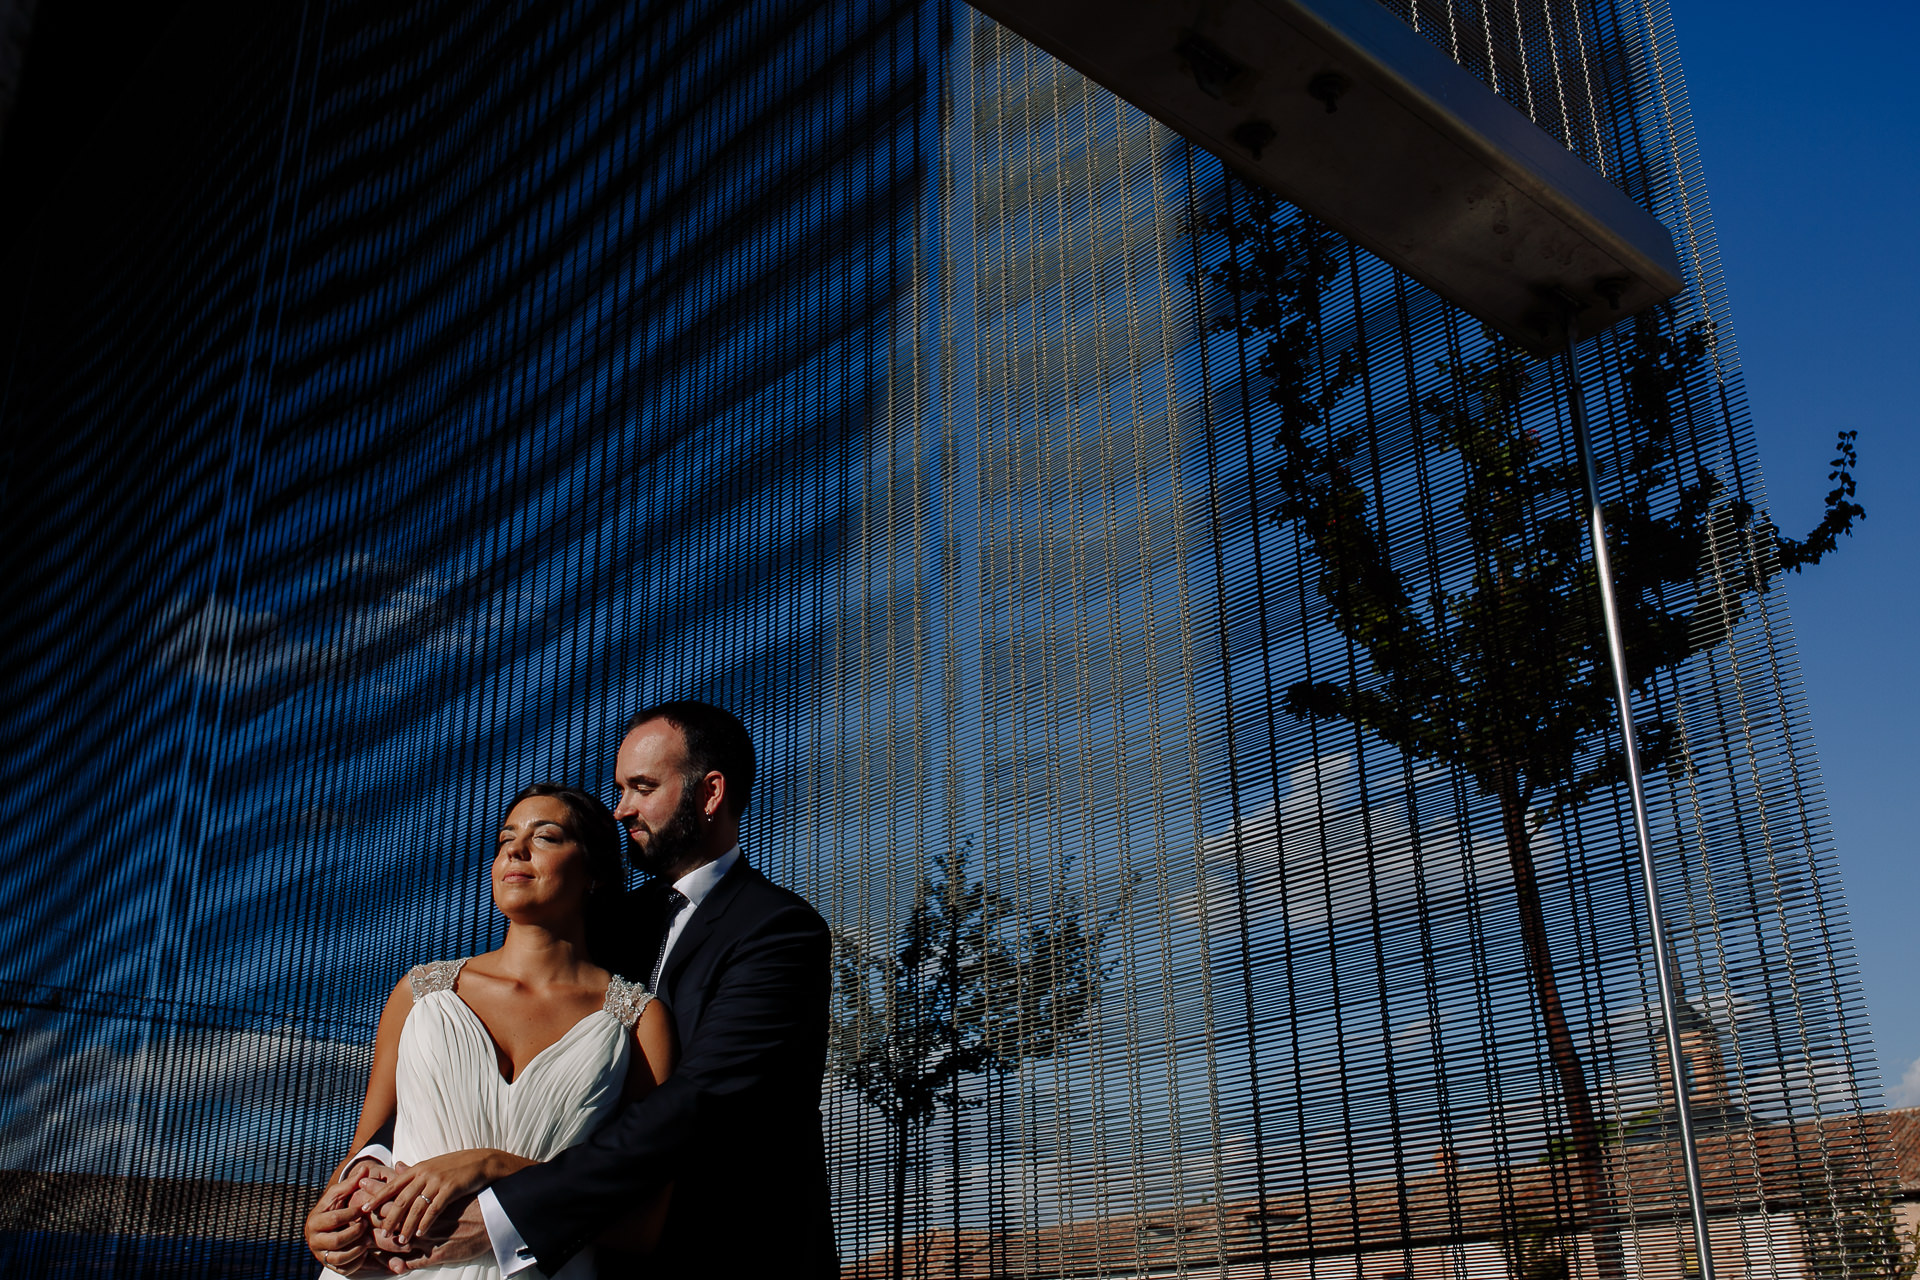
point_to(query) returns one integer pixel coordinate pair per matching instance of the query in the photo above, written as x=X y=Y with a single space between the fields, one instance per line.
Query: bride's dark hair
x=591 y=823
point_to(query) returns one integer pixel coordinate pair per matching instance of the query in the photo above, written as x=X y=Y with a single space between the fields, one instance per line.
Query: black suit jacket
x=736 y=1127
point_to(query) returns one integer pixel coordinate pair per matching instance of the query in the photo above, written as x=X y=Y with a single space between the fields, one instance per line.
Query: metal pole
x=1623 y=695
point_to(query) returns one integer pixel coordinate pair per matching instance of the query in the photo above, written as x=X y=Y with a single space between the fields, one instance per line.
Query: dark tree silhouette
x=1862 y=1242
x=972 y=983
x=1502 y=675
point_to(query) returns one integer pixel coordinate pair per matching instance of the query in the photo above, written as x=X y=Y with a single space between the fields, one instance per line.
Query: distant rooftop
x=1781 y=1169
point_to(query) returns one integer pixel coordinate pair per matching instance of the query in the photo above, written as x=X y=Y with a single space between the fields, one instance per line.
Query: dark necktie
x=676 y=900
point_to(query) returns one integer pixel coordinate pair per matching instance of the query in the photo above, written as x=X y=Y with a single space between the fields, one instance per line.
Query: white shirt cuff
x=509 y=1248
x=373 y=1150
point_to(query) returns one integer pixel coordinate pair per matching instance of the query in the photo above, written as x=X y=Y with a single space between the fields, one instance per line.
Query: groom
x=743 y=966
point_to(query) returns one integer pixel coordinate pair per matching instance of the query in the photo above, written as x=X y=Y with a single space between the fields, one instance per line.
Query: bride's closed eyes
x=550 y=833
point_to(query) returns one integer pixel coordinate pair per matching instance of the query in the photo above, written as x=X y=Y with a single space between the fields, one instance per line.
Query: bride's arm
x=653 y=1058
x=382 y=1101
x=337 y=1233
x=653 y=1052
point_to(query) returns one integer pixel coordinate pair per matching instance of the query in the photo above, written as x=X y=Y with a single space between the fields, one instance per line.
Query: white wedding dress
x=453 y=1097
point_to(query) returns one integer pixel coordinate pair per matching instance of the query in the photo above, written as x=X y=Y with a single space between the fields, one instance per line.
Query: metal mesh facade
x=459 y=378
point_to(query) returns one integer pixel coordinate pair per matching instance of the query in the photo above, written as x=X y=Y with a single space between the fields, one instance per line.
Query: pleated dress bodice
x=452 y=1097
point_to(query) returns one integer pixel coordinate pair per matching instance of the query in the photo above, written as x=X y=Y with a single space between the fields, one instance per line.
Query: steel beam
x=1348 y=113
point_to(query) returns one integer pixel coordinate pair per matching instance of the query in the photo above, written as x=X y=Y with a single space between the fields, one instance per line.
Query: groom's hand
x=337 y=1233
x=450 y=1239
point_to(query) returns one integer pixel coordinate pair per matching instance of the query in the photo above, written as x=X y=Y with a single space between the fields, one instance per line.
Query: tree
x=1501 y=676
x=1861 y=1242
x=972 y=984
x=1535 y=1252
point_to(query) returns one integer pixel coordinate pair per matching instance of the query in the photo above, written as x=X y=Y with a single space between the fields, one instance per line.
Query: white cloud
x=190 y=1102
x=1330 y=855
x=1907 y=1092
x=1821 y=1086
x=217 y=641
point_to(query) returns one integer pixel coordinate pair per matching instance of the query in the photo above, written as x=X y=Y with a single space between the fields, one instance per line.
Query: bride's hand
x=382 y=1247
x=408 y=1204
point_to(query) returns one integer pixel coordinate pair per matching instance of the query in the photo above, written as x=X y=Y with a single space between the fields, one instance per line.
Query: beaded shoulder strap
x=439 y=975
x=626 y=1001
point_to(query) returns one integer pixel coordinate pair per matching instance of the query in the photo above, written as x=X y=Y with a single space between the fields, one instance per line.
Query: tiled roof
x=101 y=1204
x=1772 y=1168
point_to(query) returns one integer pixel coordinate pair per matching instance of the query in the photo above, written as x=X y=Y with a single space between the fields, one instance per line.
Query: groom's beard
x=673 y=844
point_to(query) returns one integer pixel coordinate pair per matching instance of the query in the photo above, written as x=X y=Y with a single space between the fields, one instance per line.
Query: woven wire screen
x=477 y=374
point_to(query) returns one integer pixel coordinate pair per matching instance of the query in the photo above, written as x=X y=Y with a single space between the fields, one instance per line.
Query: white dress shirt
x=509 y=1246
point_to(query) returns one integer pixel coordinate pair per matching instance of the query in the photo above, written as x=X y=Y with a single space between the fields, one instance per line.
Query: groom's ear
x=713 y=798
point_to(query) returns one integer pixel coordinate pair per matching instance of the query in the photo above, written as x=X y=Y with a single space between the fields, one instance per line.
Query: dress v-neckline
x=498 y=1052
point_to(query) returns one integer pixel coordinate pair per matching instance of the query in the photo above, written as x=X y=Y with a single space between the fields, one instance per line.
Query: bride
x=486 y=1065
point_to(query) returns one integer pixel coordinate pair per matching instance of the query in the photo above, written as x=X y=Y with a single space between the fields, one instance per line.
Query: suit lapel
x=705 y=919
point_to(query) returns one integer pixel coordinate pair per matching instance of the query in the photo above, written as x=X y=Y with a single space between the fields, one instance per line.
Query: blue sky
x=1810 y=134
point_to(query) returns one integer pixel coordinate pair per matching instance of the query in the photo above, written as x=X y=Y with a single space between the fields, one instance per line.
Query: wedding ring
x=424 y=1196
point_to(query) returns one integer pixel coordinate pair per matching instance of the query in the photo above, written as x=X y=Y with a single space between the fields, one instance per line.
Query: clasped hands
x=401 y=1218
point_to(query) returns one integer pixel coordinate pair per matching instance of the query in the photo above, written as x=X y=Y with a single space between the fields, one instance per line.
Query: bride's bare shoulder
x=394 y=1012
